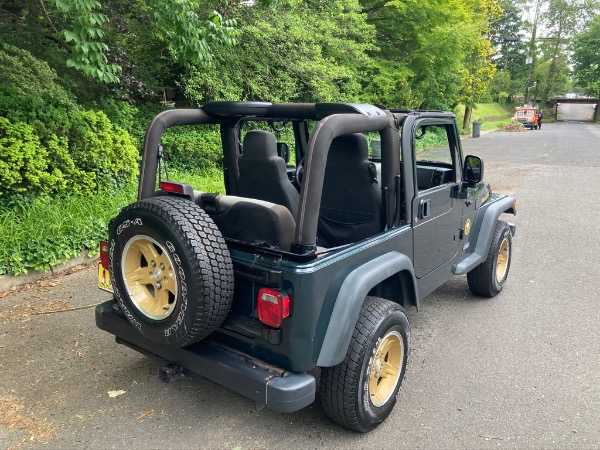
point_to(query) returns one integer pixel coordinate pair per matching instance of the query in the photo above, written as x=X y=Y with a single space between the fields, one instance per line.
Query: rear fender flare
x=350 y=299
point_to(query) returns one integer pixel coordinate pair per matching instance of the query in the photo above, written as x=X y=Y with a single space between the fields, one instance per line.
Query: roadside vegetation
x=81 y=80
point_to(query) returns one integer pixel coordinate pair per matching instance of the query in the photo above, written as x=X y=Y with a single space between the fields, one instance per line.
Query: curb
x=7 y=282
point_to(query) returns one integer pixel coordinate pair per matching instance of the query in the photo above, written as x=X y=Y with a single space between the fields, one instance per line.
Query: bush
x=193 y=148
x=133 y=119
x=30 y=76
x=76 y=151
x=98 y=147
x=24 y=162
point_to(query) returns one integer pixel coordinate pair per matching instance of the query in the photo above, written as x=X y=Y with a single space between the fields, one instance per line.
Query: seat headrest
x=350 y=147
x=260 y=145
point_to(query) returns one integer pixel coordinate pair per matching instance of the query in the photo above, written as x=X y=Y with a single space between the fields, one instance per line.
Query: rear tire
x=360 y=392
x=170 y=269
x=488 y=278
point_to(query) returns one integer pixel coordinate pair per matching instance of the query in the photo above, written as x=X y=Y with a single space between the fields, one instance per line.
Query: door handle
x=425 y=208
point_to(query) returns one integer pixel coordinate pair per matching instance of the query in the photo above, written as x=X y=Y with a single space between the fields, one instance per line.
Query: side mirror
x=473 y=169
x=283 y=151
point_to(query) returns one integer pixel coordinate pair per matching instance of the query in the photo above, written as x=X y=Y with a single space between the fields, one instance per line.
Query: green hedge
x=49 y=144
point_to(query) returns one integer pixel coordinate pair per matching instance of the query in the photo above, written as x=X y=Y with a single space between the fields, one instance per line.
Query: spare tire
x=170 y=269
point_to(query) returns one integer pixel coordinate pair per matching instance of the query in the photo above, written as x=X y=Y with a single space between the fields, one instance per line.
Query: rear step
x=274 y=387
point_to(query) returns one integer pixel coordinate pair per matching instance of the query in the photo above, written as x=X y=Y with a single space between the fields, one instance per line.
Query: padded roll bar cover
x=390 y=163
x=159 y=124
x=314 y=171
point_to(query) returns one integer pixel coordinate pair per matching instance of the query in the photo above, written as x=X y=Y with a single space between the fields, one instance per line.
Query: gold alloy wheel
x=149 y=277
x=502 y=263
x=385 y=367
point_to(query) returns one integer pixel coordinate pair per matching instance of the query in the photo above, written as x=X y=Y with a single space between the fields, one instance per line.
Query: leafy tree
x=430 y=51
x=510 y=42
x=587 y=57
x=299 y=51
x=83 y=30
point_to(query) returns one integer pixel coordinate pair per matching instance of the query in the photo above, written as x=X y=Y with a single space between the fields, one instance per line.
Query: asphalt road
x=575 y=112
x=519 y=371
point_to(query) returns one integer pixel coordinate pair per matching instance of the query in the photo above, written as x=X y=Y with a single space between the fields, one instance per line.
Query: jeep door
x=436 y=209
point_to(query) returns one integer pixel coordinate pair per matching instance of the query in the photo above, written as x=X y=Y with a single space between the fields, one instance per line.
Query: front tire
x=488 y=278
x=360 y=392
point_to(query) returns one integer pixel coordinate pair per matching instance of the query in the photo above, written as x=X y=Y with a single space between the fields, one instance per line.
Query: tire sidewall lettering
x=369 y=414
x=176 y=322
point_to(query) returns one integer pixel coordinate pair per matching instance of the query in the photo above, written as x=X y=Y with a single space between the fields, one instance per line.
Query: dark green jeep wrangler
x=302 y=271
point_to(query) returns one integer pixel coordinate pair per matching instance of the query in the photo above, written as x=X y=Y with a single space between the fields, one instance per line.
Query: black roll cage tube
x=317 y=148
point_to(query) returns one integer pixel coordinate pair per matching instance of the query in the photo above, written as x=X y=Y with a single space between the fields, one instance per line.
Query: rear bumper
x=279 y=390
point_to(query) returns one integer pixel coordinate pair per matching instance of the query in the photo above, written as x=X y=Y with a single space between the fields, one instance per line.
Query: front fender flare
x=485 y=233
x=350 y=299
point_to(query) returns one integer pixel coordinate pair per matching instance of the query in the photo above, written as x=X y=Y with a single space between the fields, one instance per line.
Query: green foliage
x=207 y=180
x=587 y=57
x=133 y=119
x=24 y=161
x=193 y=149
x=87 y=39
x=299 y=51
x=186 y=33
x=45 y=231
x=50 y=145
x=30 y=76
x=430 y=51
x=101 y=148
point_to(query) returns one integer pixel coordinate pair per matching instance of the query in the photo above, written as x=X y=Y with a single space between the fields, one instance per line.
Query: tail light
x=178 y=188
x=273 y=307
x=170 y=186
x=104 y=254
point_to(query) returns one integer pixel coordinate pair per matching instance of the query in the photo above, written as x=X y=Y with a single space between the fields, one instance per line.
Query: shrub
x=101 y=148
x=24 y=163
x=77 y=151
x=193 y=148
x=30 y=75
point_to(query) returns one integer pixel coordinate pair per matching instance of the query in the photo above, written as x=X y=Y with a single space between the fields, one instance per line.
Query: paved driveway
x=519 y=371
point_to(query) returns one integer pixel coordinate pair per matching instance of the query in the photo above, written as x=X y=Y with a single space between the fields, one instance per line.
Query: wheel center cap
x=157 y=275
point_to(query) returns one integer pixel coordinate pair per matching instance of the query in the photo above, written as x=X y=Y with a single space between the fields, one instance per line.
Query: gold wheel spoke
x=388 y=370
x=147 y=249
x=162 y=300
x=385 y=347
x=376 y=397
x=141 y=275
x=164 y=260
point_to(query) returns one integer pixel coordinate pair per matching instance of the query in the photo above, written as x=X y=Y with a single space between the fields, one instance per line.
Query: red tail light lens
x=169 y=186
x=273 y=307
x=104 y=254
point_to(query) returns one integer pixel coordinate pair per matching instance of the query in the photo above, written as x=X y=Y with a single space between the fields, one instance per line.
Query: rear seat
x=249 y=220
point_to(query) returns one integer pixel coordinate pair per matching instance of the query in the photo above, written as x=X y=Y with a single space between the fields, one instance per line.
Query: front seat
x=263 y=173
x=351 y=200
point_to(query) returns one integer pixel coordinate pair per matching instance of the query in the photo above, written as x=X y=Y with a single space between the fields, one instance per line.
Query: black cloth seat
x=263 y=174
x=351 y=200
x=249 y=220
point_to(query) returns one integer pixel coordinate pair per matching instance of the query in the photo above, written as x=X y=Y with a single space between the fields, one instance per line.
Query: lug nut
x=153 y=263
x=162 y=266
x=158 y=285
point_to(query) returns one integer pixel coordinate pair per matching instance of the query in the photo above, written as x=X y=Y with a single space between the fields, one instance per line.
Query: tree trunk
x=467 y=119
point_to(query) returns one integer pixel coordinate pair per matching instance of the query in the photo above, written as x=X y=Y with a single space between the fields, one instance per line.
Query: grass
x=44 y=232
x=207 y=181
x=492 y=115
